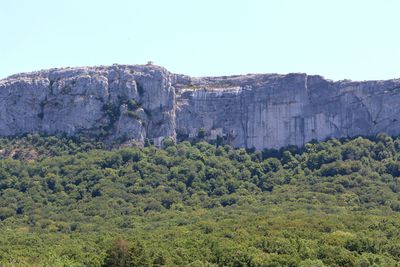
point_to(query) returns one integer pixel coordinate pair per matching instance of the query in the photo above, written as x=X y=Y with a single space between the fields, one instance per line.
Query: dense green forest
x=72 y=202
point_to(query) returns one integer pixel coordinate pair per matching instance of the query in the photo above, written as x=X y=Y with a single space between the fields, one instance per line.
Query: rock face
x=123 y=103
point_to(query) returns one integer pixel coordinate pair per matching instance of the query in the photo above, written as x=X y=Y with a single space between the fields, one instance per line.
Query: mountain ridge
x=147 y=103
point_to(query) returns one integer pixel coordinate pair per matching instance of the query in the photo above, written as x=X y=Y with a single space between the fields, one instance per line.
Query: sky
x=338 y=39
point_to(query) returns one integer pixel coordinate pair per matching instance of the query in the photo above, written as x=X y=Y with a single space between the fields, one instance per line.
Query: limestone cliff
x=122 y=103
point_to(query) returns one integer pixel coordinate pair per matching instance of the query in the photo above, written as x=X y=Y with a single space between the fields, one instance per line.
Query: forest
x=76 y=202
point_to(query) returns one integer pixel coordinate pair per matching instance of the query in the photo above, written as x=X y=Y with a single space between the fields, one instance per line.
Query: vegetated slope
x=69 y=202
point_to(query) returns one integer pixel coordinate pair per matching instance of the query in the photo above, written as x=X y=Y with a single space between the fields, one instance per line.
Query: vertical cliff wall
x=123 y=103
x=277 y=110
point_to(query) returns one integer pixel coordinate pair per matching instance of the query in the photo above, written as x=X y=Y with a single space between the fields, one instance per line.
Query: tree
x=201 y=133
x=139 y=256
x=118 y=255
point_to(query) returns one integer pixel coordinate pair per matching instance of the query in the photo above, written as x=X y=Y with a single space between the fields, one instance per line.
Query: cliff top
x=180 y=80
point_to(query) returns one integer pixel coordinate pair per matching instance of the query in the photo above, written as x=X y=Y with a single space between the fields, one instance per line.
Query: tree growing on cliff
x=201 y=133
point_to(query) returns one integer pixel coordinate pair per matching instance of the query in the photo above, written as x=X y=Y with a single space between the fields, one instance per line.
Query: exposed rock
x=123 y=103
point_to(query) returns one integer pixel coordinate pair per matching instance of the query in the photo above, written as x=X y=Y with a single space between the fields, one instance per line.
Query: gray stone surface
x=123 y=103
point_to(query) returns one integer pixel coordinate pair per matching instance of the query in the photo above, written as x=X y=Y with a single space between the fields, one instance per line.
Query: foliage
x=70 y=202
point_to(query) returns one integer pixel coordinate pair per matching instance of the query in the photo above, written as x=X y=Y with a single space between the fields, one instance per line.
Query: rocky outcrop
x=117 y=103
x=123 y=103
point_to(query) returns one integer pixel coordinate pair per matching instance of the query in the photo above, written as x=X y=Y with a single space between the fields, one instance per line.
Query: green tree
x=139 y=256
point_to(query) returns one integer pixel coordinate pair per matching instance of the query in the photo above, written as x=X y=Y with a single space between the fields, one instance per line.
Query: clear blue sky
x=355 y=39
